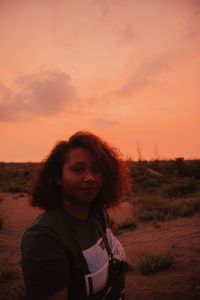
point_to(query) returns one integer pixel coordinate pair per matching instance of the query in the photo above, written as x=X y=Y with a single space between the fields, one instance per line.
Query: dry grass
x=149 y=262
x=130 y=224
x=7 y=274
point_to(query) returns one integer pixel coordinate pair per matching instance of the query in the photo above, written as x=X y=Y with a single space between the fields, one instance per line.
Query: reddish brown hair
x=47 y=193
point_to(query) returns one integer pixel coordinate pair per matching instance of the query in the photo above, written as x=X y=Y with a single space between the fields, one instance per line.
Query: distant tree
x=156 y=151
x=139 y=150
x=180 y=166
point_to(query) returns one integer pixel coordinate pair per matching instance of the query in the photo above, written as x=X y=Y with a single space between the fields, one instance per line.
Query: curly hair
x=46 y=192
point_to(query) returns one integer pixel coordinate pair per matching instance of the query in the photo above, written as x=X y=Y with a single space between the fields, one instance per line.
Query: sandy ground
x=182 y=281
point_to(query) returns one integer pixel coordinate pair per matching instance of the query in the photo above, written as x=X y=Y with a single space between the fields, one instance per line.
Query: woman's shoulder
x=51 y=230
x=49 y=223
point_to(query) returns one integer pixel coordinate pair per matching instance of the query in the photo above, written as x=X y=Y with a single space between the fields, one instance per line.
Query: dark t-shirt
x=60 y=251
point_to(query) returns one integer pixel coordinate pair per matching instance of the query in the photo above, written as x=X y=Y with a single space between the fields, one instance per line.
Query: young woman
x=69 y=252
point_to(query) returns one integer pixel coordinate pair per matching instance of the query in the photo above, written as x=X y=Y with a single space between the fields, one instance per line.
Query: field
x=158 y=224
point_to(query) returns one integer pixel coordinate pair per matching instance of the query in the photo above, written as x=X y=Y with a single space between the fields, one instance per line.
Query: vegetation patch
x=7 y=274
x=14 y=189
x=17 y=293
x=185 y=208
x=181 y=188
x=161 y=209
x=128 y=224
x=15 y=177
x=149 y=262
x=1 y=222
x=154 y=213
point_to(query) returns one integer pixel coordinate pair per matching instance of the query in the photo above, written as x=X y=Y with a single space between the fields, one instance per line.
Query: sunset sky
x=126 y=70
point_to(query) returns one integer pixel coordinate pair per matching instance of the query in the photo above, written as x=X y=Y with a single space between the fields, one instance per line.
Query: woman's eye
x=78 y=170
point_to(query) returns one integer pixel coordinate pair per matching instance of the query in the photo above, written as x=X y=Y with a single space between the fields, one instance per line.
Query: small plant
x=128 y=224
x=7 y=274
x=1 y=222
x=27 y=174
x=181 y=188
x=153 y=213
x=17 y=293
x=149 y=262
x=14 y=189
x=156 y=224
x=185 y=208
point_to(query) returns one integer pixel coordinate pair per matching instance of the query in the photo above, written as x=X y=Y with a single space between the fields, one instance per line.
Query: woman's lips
x=88 y=189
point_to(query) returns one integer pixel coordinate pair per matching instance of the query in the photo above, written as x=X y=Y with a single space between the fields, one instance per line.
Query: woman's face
x=81 y=177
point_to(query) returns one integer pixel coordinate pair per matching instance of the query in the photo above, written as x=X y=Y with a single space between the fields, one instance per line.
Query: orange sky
x=126 y=70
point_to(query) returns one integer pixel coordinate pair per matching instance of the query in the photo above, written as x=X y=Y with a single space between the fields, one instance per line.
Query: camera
x=116 y=267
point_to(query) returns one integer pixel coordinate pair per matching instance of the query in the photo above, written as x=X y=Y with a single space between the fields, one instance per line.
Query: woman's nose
x=89 y=176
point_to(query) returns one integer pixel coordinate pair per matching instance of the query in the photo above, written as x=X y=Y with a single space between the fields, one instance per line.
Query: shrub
x=162 y=209
x=15 y=177
x=128 y=224
x=185 y=208
x=14 y=189
x=7 y=274
x=195 y=204
x=27 y=174
x=154 y=262
x=151 y=183
x=193 y=167
x=1 y=222
x=17 y=293
x=153 y=213
x=156 y=224
x=180 y=166
x=181 y=188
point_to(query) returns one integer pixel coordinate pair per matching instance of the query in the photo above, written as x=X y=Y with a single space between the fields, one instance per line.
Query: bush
x=7 y=274
x=1 y=222
x=27 y=174
x=193 y=167
x=154 y=209
x=151 y=183
x=17 y=293
x=162 y=209
x=180 y=188
x=185 y=208
x=152 y=215
x=15 y=177
x=154 y=262
x=14 y=189
x=128 y=224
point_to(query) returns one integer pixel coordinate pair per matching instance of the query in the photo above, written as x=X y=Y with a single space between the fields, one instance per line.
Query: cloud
x=191 y=34
x=146 y=74
x=105 y=6
x=104 y=122
x=196 y=4
x=45 y=93
x=126 y=35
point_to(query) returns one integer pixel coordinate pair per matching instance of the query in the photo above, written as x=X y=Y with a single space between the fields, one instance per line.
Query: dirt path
x=182 y=235
x=182 y=281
